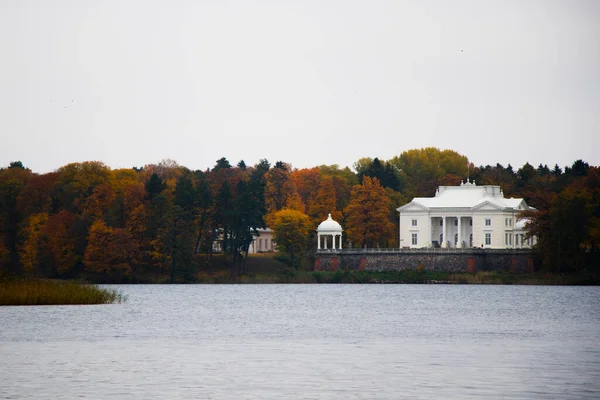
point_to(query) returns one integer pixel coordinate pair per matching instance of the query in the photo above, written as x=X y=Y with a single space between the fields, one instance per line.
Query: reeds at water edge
x=53 y=292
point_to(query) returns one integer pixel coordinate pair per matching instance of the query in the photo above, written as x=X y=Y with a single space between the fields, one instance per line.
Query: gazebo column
x=318 y=241
x=325 y=242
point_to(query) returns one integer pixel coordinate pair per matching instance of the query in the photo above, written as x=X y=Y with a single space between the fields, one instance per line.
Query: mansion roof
x=467 y=195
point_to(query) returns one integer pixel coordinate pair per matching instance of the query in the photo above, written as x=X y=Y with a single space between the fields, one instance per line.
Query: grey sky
x=307 y=82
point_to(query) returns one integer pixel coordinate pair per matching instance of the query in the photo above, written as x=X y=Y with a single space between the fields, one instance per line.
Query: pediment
x=412 y=206
x=487 y=206
x=523 y=206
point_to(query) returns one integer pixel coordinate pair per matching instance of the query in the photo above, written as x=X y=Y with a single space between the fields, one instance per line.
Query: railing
x=436 y=250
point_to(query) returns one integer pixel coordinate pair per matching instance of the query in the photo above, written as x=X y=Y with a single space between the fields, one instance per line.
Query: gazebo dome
x=329 y=226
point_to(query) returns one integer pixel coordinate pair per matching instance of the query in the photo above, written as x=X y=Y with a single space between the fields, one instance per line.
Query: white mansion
x=464 y=216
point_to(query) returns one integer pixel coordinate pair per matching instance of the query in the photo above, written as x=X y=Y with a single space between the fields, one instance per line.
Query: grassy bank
x=267 y=268
x=441 y=277
x=46 y=292
x=410 y=277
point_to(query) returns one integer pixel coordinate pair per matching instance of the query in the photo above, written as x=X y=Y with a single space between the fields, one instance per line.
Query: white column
x=459 y=244
x=429 y=238
x=325 y=242
x=318 y=241
x=333 y=241
x=444 y=229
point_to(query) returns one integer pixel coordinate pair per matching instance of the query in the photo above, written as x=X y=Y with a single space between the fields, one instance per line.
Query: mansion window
x=414 y=239
x=488 y=221
x=455 y=222
x=488 y=239
x=260 y=244
x=471 y=222
x=508 y=222
x=442 y=222
x=414 y=222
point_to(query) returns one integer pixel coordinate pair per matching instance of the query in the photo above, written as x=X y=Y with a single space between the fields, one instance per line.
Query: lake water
x=309 y=342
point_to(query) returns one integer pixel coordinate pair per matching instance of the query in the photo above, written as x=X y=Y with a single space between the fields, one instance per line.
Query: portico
x=463 y=216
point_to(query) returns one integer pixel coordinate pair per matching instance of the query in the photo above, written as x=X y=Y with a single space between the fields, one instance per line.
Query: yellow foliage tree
x=29 y=249
x=291 y=231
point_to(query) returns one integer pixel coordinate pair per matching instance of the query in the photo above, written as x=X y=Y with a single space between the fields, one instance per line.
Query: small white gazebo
x=327 y=228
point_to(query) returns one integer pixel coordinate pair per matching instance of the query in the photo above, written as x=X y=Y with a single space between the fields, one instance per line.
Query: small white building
x=329 y=229
x=263 y=242
x=464 y=216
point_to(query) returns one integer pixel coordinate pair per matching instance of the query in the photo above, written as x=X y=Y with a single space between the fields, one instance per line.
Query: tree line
x=164 y=219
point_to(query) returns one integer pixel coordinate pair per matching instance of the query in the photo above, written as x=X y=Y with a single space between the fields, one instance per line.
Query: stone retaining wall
x=451 y=262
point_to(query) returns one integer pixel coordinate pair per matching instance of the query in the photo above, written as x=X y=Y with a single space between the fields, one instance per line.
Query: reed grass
x=49 y=292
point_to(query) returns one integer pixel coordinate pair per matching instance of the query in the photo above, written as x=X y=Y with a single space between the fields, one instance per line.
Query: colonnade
x=453 y=237
x=335 y=237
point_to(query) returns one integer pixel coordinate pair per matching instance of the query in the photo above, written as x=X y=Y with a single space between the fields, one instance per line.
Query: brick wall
x=452 y=262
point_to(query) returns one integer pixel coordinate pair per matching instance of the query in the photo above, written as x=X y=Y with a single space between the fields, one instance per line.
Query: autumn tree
x=291 y=229
x=38 y=195
x=367 y=223
x=30 y=248
x=343 y=182
x=167 y=170
x=129 y=192
x=307 y=182
x=280 y=191
x=109 y=250
x=324 y=202
x=76 y=182
x=423 y=169
x=100 y=202
x=61 y=242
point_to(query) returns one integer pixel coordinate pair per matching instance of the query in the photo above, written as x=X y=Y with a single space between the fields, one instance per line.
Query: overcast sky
x=307 y=82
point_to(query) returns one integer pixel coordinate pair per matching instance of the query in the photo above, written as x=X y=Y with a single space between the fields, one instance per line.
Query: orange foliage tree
x=100 y=202
x=307 y=182
x=367 y=223
x=324 y=202
x=109 y=250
